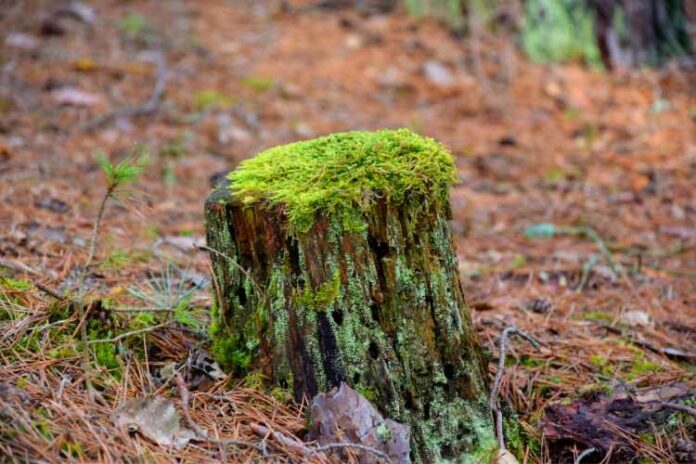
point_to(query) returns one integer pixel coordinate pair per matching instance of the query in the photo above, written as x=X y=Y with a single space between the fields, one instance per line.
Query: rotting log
x=334 y=262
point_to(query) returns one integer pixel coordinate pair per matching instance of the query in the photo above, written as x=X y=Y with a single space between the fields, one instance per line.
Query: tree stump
x=334 y=262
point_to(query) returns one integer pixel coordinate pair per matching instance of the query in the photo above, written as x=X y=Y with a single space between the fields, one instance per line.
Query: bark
x=382 y=310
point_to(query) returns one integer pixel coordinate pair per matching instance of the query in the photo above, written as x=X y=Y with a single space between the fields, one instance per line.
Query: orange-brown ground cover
x=612 y=158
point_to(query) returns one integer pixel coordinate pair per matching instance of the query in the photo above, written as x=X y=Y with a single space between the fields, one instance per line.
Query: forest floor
x=575 y=217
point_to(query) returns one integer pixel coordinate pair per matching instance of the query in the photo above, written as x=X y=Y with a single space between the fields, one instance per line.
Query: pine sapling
x=117 y=177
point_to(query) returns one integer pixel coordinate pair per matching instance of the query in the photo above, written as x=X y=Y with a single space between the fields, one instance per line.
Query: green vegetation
x=120 y=259
x=122 y=173
x=323 y=298
x=599 y=316
x=560 y=30
x=343 y=175
x=258 y=84
x=205 y=99
x=133 y=23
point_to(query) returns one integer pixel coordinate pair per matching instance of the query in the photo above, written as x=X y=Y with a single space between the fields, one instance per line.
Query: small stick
x=495 y=389
x=141 y=310
x=21 y=267
x=128 y=334
x=149 y=106
x=583 y=455
x=504 y=338
x=679 y=407
x=97 y=225
x=290 y=442
x=333 y=446
x=200 y=431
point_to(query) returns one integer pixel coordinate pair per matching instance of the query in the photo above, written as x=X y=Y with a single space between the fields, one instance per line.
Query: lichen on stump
x=333 y=262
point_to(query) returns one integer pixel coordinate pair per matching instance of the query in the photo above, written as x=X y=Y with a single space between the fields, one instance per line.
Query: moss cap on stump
x=343 y=174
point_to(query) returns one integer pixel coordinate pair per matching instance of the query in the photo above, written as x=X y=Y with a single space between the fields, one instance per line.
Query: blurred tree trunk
x=632 y=33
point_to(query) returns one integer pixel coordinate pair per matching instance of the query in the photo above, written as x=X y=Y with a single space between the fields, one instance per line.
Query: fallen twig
x=342 y=445
x=149 y=106
x=18 y=267
x=583 y=455
x=679 y=407
x=493 y=398
x=200 y=431
x=290 y=442
x=129 y=334
x=141 y=310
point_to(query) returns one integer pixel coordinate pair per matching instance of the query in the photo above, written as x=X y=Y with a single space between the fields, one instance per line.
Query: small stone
x=22 y=41
x=438 y=73
x=353 y=41
x=636 y=318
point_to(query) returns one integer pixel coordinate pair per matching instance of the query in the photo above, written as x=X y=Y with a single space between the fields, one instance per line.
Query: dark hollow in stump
x=334 y=262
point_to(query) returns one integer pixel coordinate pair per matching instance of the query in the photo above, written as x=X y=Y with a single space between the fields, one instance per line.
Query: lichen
x=342 y=175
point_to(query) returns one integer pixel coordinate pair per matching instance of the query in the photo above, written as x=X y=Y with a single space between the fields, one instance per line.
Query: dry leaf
x=343 y=414
x=155 y=418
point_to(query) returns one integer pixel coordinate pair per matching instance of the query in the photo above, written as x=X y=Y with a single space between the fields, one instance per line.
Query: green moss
x=122 y=258
x=7 y=284
x=343 y=175
x=369 y=393
x=105 y=355
x=599 y=316
x=205 y=99
x=324 y=297
x=641 y=367
x=259 y=84
x=226 y=350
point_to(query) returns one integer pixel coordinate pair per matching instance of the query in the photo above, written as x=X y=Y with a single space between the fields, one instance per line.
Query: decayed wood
x=382 y=310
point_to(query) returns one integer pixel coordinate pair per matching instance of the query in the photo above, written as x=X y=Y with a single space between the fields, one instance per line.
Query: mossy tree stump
x=334 y=262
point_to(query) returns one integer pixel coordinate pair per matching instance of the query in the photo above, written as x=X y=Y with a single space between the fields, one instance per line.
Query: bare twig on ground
x=679 y=407
x=497 y=381
x=343 y=445
x=583 y=455
x=287 y=441
x=18 y=267
x=141 y=310
x=200 y=431
x=129 y=334
x=151 y=105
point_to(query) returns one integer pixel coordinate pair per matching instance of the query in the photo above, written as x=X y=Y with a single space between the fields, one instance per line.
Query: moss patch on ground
x=343 y=174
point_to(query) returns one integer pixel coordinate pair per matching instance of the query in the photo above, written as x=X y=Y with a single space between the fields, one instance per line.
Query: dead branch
x=150 y=105
x=583 y=455
x=679 y=407
x=287 y=441
x=129 y=334
x=200 y=431
x=493 y=398
x=342 y=445
x=18 y=267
